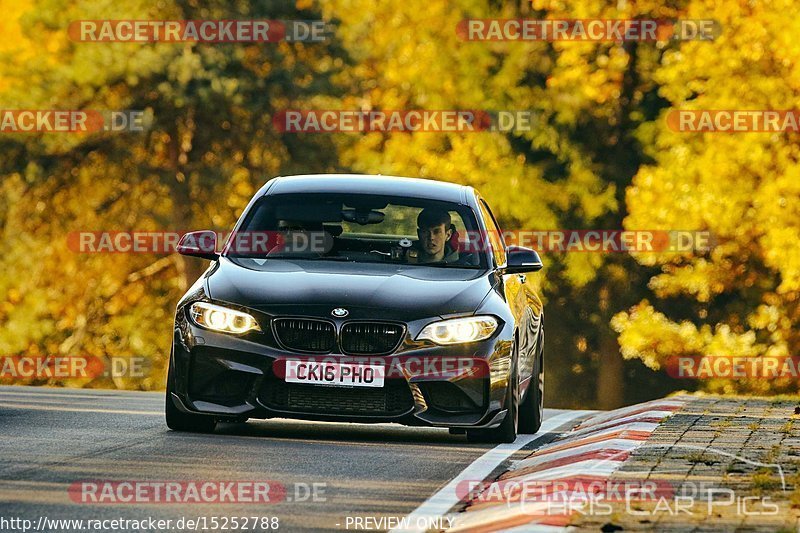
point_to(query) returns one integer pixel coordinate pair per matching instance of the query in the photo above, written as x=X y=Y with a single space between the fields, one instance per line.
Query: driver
x=434 y=230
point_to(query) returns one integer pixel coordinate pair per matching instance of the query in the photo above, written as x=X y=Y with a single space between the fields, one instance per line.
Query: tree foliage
x=742 y=297
x=600 y=155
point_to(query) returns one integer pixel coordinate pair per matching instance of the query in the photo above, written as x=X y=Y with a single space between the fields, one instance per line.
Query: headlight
x=459 y=330
x=218 y=318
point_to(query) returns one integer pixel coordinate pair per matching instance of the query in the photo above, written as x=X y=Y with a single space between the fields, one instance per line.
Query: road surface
x=53 y=439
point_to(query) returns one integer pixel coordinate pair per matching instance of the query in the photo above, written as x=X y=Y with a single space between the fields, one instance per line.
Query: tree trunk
x=610 y=374
x=611 y=371
x=180 y=145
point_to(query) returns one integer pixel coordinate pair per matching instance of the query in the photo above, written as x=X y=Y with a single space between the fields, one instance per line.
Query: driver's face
x=433 y=238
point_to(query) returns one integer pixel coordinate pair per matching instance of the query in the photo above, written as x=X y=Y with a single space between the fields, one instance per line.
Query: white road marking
x=29 y=391
x=97 y=402
x=34 y=407
x=446 y=498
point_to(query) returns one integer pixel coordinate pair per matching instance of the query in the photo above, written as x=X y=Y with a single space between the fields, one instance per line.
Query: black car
x=361 y=299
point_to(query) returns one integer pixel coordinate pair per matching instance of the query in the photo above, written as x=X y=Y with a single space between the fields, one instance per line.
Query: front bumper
x=232 y=377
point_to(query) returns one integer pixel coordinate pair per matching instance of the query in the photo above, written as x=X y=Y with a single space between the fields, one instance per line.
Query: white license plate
x=337 y=374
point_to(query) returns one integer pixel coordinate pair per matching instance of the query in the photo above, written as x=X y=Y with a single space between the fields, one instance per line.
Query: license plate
x=336 y=374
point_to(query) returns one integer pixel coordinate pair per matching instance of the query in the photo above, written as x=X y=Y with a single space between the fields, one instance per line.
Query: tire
x=177 y=420
x=531 y=410
x=507 y=430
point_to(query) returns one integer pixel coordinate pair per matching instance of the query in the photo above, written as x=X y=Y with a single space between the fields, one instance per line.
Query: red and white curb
x=440 y=504
x=591 y=452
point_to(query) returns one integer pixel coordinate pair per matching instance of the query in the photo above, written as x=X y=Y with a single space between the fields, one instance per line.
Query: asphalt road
x=52 y=438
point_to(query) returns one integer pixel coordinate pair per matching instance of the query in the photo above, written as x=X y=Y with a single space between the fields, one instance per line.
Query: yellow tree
x=569 y=171
x=209 y=145
x=742 y=187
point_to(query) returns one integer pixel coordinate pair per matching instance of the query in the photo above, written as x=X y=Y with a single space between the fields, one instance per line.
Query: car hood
x=366 y=290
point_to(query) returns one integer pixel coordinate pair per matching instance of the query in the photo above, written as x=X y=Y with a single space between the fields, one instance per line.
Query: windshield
x=356 y=228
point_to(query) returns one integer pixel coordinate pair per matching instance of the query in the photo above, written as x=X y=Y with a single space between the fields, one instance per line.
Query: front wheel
x=177 y=420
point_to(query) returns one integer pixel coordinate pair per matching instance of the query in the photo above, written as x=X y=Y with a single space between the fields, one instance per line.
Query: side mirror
x=199 y=244
x=520 y=260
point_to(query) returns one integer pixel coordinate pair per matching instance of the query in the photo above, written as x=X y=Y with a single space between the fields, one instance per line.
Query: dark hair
x=430 y=217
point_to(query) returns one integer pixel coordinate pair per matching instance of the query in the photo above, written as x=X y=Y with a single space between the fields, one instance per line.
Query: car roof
x=368 y=184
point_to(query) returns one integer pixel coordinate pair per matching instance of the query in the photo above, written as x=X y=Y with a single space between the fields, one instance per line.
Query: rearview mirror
x=520 y=260
x=362 y=217
x=199 y=244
